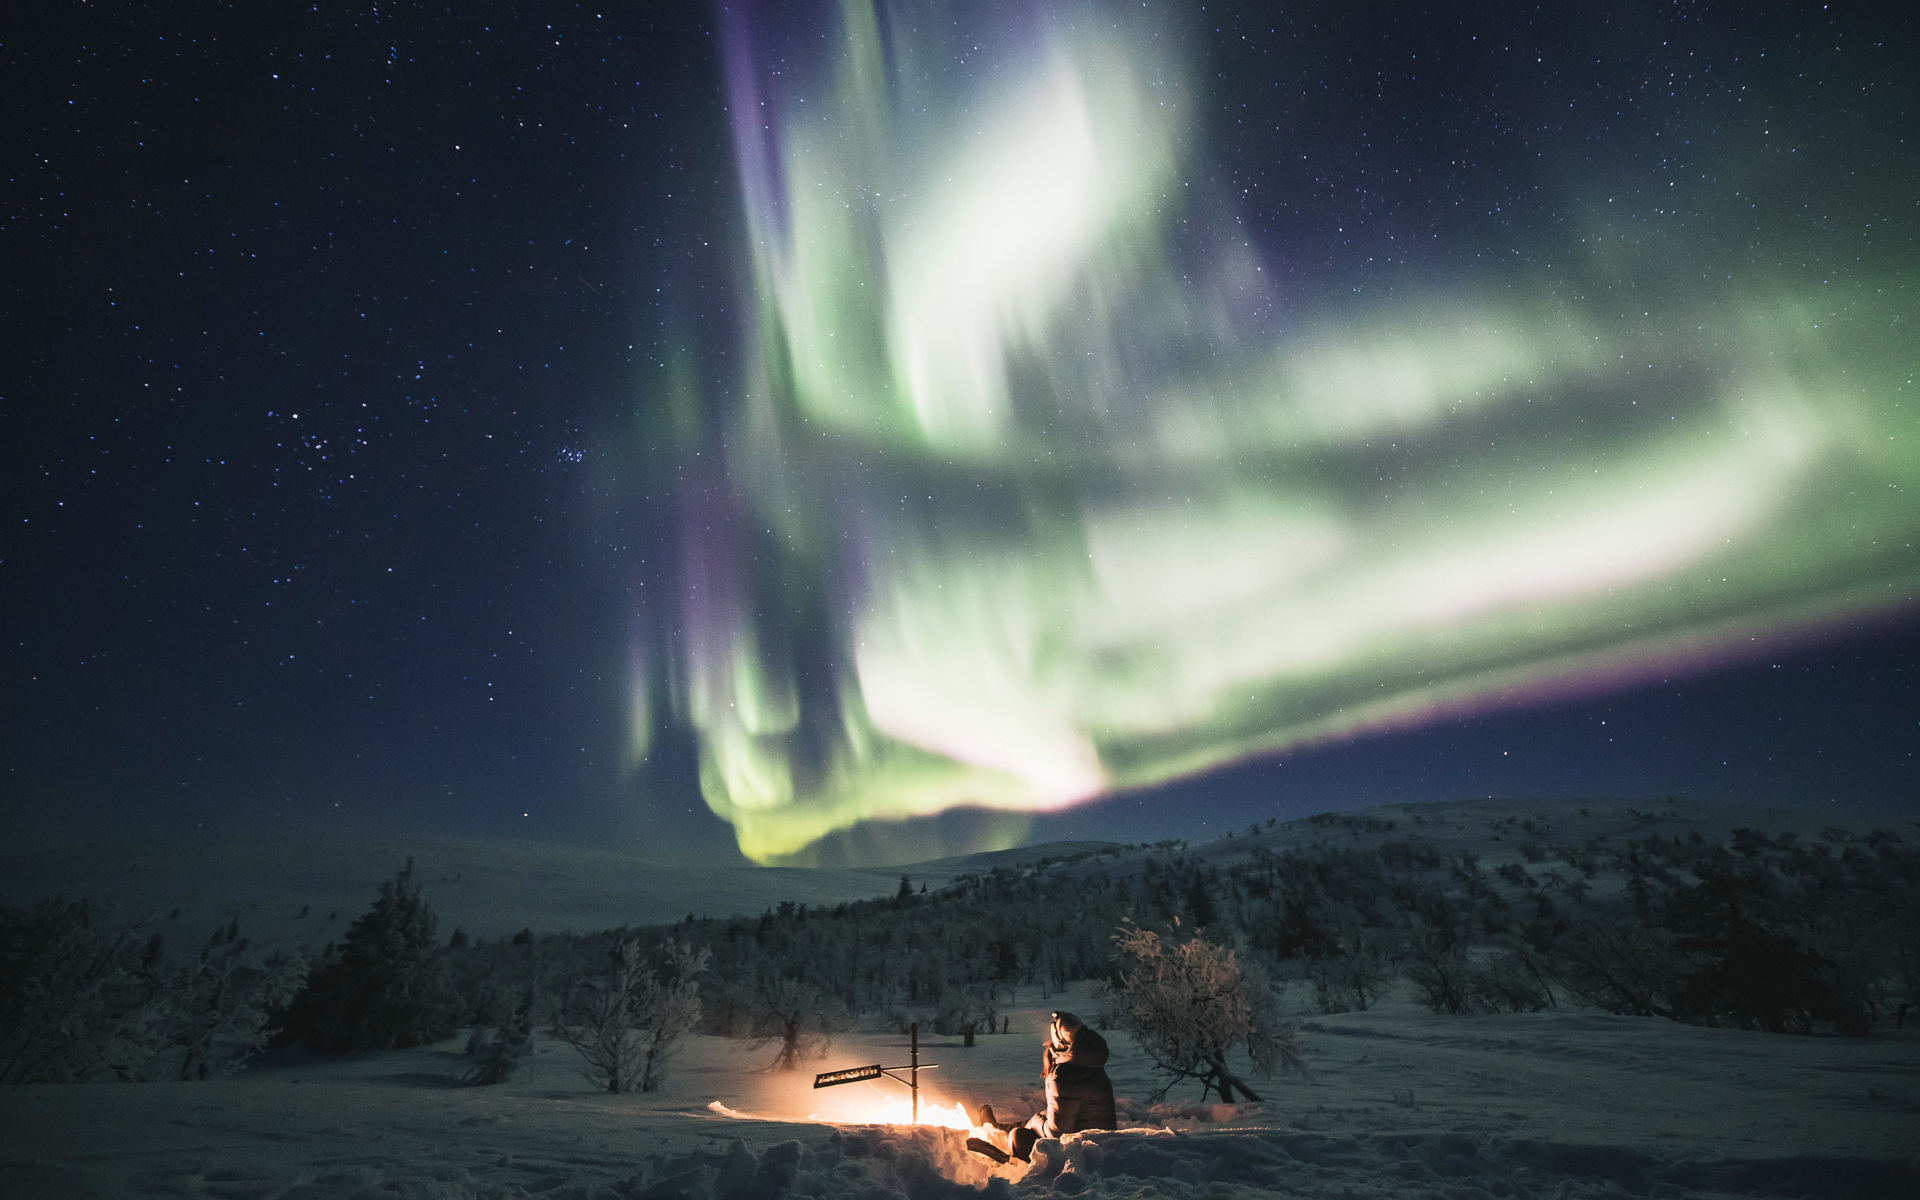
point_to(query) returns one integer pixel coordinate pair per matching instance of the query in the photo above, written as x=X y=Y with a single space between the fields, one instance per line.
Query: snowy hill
x=305 y=892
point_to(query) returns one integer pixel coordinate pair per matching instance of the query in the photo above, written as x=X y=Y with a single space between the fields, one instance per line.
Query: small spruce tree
x=497 y=1050
x=386 y=989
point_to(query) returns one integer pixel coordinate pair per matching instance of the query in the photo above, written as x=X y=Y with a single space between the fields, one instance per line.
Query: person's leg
x=993 y=1131
x=1025 y=1136
x=986 y=1149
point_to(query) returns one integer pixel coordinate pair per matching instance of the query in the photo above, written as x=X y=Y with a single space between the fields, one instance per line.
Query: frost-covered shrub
x=974 y=1007
x=1191 y=1003
x=1434 y=955
x=625 y=1023
x=86 y=993
x=216 y=1007
x=1352 y=981
x=1506 y=981
x=76 y=998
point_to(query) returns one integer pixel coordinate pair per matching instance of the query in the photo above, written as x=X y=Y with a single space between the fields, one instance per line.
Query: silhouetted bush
x=795 y=1016
x=1748 y=970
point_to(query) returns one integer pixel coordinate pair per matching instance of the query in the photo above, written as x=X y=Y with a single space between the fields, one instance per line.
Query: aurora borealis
x=1041 y=487
x=847 y=433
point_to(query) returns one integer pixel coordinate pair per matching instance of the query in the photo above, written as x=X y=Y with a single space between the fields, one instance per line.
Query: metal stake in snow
x=913 y=1069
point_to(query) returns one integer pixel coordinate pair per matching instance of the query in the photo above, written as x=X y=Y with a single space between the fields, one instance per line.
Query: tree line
x=1774 y=933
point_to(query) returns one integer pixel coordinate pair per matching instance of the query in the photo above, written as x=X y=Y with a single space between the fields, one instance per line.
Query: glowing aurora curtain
x=1026 y=494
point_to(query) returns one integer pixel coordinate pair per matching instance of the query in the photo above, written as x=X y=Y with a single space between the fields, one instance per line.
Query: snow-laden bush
x=969 y=1009
x=86 y=993
x=1190 y=1003
x=625 y=1023
x=215 y=1007
x=75 y=1000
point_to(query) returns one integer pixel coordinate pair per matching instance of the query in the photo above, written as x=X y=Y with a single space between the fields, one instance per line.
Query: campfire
x=883 y=1108
x=871 y=1105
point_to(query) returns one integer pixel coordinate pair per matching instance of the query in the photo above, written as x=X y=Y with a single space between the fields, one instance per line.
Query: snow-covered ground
x=1400 y=1103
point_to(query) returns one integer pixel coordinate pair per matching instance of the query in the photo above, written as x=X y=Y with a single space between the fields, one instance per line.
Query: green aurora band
x=1033 y=498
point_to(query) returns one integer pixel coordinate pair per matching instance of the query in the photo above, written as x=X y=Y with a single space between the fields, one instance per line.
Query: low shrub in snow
x=1190 y=1003
x=86 y=993
x=624 y=1024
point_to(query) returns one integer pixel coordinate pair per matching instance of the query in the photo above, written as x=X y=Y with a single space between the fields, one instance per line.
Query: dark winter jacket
x=1079 y=1094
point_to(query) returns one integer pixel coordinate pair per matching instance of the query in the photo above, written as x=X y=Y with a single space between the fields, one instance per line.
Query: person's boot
x=1023 y=1142
x=984 y=1116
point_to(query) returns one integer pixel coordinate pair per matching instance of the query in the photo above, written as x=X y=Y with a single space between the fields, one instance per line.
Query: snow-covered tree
x=497 y=1045
x=88 y=994
x=1191 y=1003
x=624 y=1024
x=796 y=1016
x=218 y=1004
x=76 y=999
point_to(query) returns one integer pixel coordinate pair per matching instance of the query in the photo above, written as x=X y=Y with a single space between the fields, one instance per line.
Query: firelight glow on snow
x=1033 y=496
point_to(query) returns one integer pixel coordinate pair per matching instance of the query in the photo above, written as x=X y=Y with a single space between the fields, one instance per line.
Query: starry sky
x=415 y=419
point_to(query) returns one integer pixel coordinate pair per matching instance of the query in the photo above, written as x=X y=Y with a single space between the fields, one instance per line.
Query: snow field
x=1400 y=1103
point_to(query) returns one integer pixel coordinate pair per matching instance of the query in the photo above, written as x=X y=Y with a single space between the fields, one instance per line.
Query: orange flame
x=883 y=1108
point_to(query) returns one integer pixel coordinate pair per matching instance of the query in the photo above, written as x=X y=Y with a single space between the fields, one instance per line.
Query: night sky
x=382 y=385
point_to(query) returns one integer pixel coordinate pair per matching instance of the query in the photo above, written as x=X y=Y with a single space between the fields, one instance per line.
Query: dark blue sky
x=333 y=454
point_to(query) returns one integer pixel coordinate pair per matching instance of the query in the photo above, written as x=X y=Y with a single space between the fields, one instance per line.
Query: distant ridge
x=487 y=887
x=1017 y=856
x=1490 y=828
x=492 y=888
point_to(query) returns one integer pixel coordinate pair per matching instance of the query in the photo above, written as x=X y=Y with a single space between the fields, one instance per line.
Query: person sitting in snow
x=1079 y=1094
